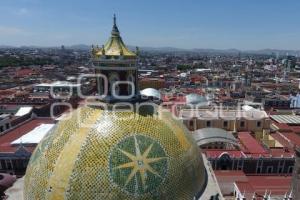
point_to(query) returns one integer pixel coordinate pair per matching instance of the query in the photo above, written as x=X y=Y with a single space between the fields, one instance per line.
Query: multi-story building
x=5 y=122
x=231 y=120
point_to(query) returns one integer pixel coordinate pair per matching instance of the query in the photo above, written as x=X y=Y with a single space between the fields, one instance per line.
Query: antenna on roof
x=269 y=196
x=254 y=196
x=243 y=196
x=291 y=194
x=285 y=197
x=265 y=197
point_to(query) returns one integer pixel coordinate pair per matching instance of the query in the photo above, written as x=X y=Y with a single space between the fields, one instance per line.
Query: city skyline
x=175 y=107
x=195 y=24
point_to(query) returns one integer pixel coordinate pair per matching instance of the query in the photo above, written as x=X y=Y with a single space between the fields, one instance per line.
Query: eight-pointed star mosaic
x=140 y=163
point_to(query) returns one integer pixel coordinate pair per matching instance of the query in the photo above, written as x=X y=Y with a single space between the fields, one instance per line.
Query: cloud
x=6 y=30
x=21 y=11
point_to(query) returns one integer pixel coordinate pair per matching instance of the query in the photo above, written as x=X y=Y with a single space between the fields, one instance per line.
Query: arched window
x=114 y=77
x=130 y=78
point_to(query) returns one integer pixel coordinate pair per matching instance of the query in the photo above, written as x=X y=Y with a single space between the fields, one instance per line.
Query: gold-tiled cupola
x=118 y=64
x=115 y=46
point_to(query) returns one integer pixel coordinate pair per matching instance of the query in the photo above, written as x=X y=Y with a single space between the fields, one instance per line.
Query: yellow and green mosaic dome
x=109 y=155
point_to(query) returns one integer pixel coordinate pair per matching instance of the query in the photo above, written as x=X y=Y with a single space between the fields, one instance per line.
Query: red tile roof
x=226 y=178
x=276 y=185
x=229 y=173
x=295 y=129
x=292 y=138
x=285 y=127
x=245 y=187
x=283 y=141
x=281 y=153
x=23 y=72
x=251 y=145
x=214 y=153
x=7 y=138
x=281 y=126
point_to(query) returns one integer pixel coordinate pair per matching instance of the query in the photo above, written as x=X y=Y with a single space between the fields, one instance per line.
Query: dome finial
x=115 y=20
x=115 y=30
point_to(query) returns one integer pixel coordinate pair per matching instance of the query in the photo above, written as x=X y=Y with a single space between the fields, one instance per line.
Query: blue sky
x=220 y=24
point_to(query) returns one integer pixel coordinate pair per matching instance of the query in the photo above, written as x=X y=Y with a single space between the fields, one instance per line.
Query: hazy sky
x=222 y=24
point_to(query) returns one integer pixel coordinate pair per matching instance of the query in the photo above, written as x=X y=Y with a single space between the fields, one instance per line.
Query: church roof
x=99 y=154
x=209 y=135
x=114 y=46
x=151 y=92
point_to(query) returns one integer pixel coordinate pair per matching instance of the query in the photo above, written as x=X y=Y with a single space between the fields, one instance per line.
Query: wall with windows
x=254 y=165
x=238 y=125
x=4 y=125
x=14 y=165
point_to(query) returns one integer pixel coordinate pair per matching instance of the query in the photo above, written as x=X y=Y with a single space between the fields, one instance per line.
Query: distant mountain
x=6 y=47
x=217 y=50
x=162 y=49
x=79 y=46
x=274 y=52
x=196 y=50
x=225 y=51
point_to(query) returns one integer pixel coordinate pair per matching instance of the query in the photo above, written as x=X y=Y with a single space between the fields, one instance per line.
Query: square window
x=225 y=124
x=270 y=169
x=208 y=123
x=258 y=124
x=258 y=170
x=191 y=123
x=242 y=124
x=115 y=89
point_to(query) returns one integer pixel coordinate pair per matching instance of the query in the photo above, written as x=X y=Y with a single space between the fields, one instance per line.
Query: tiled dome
x=109 y=155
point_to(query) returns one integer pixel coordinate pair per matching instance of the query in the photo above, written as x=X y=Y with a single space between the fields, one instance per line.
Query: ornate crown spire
x=115 y=20
x=115 y=31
